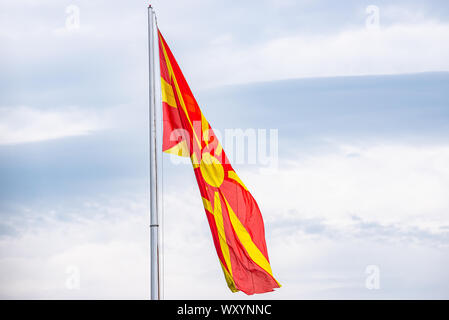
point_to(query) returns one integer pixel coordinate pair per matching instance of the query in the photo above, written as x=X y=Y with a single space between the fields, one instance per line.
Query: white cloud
x=387 y=182
x=226 y=51
x=394 y=49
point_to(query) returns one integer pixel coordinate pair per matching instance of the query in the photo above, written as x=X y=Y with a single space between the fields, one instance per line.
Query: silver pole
x=154 y=190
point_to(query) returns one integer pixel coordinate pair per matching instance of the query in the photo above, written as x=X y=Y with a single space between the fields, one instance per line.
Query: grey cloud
x=360 y=229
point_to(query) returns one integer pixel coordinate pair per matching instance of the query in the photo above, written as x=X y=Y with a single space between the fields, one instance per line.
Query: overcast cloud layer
x=362 y=115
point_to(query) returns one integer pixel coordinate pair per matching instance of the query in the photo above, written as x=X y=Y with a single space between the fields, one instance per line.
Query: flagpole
x=155 y=274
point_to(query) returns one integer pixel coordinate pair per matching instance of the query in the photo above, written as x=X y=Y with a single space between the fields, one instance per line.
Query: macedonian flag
x=233 y=215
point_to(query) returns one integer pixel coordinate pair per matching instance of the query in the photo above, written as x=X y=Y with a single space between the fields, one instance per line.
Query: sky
x=352 y=100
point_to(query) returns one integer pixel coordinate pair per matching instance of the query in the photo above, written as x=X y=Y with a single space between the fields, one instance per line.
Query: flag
x=234 y=217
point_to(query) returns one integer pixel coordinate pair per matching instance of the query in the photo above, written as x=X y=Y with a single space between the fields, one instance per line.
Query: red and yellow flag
x=233 y=215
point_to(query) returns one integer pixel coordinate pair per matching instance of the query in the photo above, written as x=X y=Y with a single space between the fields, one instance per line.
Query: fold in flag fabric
x=234 y=217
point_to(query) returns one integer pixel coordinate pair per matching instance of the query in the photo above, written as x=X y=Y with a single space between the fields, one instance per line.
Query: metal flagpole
x=154 y=187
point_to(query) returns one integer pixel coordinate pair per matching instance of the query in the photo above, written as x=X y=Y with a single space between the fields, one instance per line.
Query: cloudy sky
x=354 y=195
